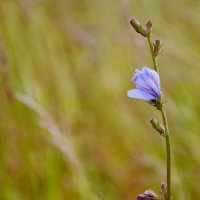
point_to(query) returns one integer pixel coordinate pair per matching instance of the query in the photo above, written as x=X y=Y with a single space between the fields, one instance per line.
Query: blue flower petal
x=153 y=79
x=138 y=94
x=148 y=81
x=153 y=74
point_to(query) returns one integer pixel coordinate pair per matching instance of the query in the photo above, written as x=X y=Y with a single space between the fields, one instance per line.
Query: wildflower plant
x=148 y=88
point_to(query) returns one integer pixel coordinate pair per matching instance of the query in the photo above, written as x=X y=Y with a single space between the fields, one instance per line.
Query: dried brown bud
x=157 y=45
x=138 y=27
x=149 y=26
x=157 y=126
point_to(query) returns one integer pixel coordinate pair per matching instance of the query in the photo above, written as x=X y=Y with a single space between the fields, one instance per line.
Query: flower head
x=147 y=82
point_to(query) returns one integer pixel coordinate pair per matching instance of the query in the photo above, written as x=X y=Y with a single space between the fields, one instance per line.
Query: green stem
x=167 y=136
x=152 y=54
x=167 y=139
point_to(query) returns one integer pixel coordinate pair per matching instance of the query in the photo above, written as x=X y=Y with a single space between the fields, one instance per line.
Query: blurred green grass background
x=76 y=59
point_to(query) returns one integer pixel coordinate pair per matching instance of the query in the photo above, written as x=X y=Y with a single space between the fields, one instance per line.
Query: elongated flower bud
x=138 y=27
x=164 y=190
x=157 y=45
x=157 y=126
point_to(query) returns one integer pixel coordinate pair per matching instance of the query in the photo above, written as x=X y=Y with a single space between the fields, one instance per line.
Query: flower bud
x=138 y=27
x=157 y=45
x=164 y=190
x=157 y=126
x=149 y=26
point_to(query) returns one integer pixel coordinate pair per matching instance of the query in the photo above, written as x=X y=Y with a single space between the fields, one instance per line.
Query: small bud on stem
x=157 y=45
x=157 y=126
x=164 y=190
x=149 y=26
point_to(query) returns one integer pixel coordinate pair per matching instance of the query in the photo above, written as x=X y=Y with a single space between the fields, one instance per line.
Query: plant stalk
x=152 y=54
x=164 y=116
x=168 y=148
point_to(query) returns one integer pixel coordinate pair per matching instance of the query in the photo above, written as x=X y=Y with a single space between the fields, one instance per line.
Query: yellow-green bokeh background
x=76 y=58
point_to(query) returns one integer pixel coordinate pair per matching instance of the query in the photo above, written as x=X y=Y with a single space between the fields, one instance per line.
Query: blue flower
x=147 y=82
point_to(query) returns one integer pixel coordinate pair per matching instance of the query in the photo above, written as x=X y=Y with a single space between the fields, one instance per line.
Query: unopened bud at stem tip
x=138 y=27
